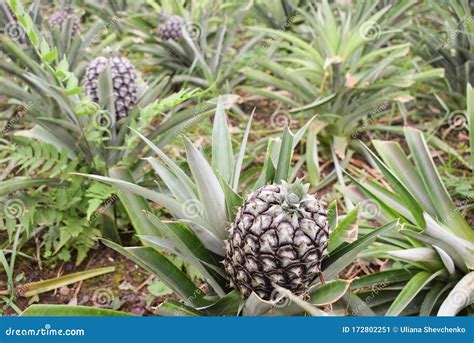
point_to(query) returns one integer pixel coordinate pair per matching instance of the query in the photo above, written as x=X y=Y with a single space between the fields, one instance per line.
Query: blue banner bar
x=237 y=329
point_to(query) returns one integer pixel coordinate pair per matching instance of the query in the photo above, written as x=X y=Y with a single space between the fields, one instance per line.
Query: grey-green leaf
x=222 y=153
x=211 y=194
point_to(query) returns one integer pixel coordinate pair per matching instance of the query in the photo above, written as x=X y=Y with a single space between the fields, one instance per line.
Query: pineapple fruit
x=171 y=28
x=279 y=237
x=123 y=80
x=59 y=18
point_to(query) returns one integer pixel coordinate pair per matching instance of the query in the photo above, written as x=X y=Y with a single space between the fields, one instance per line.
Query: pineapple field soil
x=125 y=289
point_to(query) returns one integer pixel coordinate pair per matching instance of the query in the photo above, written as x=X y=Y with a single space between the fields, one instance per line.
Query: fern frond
x=38 y=158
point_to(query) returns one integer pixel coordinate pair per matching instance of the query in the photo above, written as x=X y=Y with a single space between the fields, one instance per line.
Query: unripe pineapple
x=279 y=237
x=123 y=79
x=171 y=28
x=59 y=18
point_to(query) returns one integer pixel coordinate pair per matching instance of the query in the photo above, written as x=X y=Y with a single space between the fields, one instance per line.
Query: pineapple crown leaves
x=294 y=194
x=110 y=52
x=49 y=73
x=292 y=198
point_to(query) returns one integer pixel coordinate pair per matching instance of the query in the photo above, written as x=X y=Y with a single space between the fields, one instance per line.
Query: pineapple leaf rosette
x=432 y=254
x=264 y=252
x=344 y=61
x=196 y=42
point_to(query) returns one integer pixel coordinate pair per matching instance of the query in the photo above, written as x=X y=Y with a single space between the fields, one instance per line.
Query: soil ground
x=124 y=289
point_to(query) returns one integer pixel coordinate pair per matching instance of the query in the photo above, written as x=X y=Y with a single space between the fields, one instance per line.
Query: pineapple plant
x=61 y=32
x=344 y=62
x=448 y=44
x=432 y=253
x=252 y=253
x=195 y=42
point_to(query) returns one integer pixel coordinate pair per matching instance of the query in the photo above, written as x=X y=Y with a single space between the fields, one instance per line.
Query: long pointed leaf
x=43 y=310
x=39 y=287
x=412 y=288
x=210 y=192
x=342 y=257
x=435 y=187
x=222 y=153
x=155 y=262
x=461 y=296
